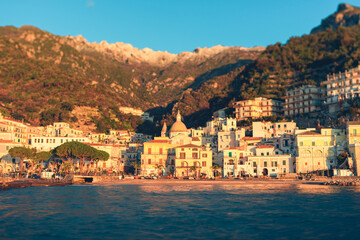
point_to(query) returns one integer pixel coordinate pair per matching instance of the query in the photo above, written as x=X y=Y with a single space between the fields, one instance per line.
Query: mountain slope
x=302 y=60
x=43 y=76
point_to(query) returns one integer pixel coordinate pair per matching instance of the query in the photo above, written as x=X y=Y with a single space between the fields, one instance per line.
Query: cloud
x=90 y=4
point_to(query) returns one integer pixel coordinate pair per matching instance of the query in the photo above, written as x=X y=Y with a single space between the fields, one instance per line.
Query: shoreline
x=24 y=183
x=248 y=183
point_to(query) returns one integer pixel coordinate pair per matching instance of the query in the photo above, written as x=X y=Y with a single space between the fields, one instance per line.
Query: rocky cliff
x=346 y=16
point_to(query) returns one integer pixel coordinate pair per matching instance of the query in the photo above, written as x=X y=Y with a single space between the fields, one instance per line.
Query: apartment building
x=304 y=99
x=342 y=86
x=256 y=108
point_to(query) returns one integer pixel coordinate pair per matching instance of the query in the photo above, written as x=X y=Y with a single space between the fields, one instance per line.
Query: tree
x=77 y=150
x=42 y=156
x=193 y=169
x=341 y=158
x=159 y=167
x=21 y=153
x=66 y=167
x=136 y=166
x=216 y=169
x=99 y=155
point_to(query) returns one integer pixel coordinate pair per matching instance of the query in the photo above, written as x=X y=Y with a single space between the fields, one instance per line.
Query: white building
x=48 y=143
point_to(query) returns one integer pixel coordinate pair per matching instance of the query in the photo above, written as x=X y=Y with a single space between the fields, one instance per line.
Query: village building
x=270 y=129
x=234 y=162
x=340 y=87
x=155 y=156
x=193 y=161
x=304 y=99
x=49 y=143
x=256 y=108
x=315 y=151
x=269 y=162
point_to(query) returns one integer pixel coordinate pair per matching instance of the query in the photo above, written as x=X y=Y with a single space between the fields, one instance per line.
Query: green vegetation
x=22 y=153
x=75 y=150
x=43 y=77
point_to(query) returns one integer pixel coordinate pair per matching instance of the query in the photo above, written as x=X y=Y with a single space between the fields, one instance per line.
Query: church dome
x=178 y=126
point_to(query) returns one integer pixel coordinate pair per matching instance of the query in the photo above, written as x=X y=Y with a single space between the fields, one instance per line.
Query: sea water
x=185 y=211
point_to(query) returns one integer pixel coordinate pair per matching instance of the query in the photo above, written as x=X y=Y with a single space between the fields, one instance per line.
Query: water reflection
x=175 y=188
x=191 y=211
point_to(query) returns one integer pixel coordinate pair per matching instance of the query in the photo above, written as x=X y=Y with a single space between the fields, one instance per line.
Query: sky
x=172 y=25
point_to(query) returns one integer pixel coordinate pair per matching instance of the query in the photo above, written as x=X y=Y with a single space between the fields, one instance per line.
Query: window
x=262 y=154
x=284 y=162
x=160 y=161
x=230 y=154
x=354 y=132
x=306 y=164
x=274 y=164
x=265 y=164
x=195 y=149
x=300 y=143
x=149 y=150
x=7 y=148
x=149 y=161
x=313 y=143
x=204 y=155
x=267 y=153
x=160 y=151
x=182 y=155
x=204 y=163
x=195 y=155
x=284 y=125
x=254 y=164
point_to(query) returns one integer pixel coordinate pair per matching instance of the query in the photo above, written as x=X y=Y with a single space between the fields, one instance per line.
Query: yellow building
x=353 y=139
x=256 y=108
x=353 y=132
x=340 y=138
x=193 y=160
x=315 y=151
x=154 y=156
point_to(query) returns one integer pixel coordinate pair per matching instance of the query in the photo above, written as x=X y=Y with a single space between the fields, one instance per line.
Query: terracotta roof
x=354 y=123
x=309 y=133
x=195 y=139
x=242 y=148
x=265 y=146
x=188 y=146
x=252 y=138
x=5 y=141
x=158 y=141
